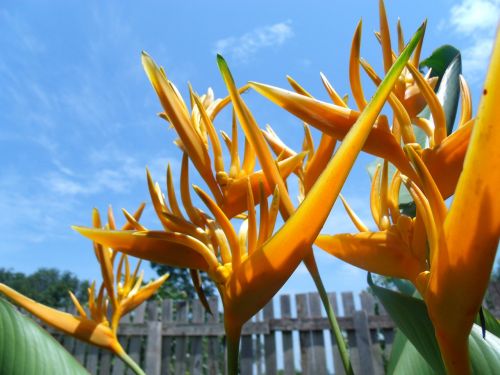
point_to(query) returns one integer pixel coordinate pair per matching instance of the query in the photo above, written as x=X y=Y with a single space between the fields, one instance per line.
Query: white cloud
x=243 y=47
x=476 y=20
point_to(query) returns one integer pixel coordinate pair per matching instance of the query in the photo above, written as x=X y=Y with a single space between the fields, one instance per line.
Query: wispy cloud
x=476 y=20
x=242 y=48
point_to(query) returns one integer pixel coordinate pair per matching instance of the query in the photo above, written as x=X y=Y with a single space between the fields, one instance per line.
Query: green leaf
x=410 y=316
x=405 y=358
x=27 y=349
x=439 y=60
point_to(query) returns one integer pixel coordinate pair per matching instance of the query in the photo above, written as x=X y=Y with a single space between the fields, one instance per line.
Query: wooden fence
x=289 y=336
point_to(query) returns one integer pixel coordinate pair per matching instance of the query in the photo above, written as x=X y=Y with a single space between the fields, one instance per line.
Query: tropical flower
x=447 y=253
x=250 y=267
x=120 y=292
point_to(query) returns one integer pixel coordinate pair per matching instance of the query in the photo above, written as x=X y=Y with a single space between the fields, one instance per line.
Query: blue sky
x=78 y=120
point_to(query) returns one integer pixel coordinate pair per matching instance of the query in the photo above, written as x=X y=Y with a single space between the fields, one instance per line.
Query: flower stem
x=233 y=335
x=130 y=363
x=312 y=267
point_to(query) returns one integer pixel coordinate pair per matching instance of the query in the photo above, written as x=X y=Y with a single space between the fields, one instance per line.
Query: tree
x=179 y=284
x=49 y=286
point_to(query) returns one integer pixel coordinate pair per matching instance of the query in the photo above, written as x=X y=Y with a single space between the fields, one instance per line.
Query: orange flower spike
x=214 y=139
x=382 y=252
x=401 y=38
x=393 y=201
x=178 y=116
x=276 y=144
x=435 y=106
x=336 y=122
x=466 y=107
x=264 y=217
x=172 y=199
x=415 y=60
x=384 y=196
x=358 y=223
x=269 y=266
x=191 y=211
x=385 y=37
x=471 y=232
x=400 y=112
x=297 y=87
x=142 y=294
x=235 y=169
x=318 y=162
x=252 y=220
x=336 y=98
x=375 y=196
x=132 y=221
x=354 y=77
x=79 y=327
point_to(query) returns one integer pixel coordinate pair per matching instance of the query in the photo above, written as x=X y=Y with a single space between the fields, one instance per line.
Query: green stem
x=130 y=363
x=312 y=267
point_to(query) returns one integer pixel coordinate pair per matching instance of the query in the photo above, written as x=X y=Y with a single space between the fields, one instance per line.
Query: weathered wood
x=246 y=355
x=152 y=364
x=214 y=364
x=92 y=357
x=105 y=362
x=181 y=308
x=364 y=343
x=288 y=356
x=198 y=318
x=135 y=342
x=259 y=354
x=317 y=336
x=348 y=304
x=166 y=345
x=338 y=367
x=306 y=348
x=367 y=302
x=270 y=341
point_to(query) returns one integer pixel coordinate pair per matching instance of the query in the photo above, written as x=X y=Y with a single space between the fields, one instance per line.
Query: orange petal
x=173 y=249
x=354 y=77
x=381 y=252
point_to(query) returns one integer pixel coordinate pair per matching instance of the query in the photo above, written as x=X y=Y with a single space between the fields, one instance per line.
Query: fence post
x=288 y=357
x=270 y=341
x=135 y=342
x=196 y=349
x=318 y=339
x=348 y=303
x=363 y=342
x=214 y=343
x=182 y=309
x=153 y=340
x=166 y=344
x=306 y=353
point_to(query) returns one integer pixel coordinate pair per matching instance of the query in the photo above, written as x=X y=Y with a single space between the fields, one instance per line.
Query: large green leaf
x=27 y=349
x=410 y=316
x=491 y=323
x=405 y=358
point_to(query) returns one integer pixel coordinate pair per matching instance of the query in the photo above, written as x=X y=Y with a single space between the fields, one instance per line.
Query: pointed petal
x=265 y=271
x=472 y=228
x=445 y=162
x=336 y=121
x=318 y=162
x=354 y=218
x=234 y=202
x=385 y=37
x=297 y=87
x=466 y=107
x=81 y=328
x=354 y=77
x=336 y=98
x=173 y=249
x=380 y=252
x=142 y=295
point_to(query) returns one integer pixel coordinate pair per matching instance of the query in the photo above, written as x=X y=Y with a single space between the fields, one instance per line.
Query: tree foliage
x=48 y=286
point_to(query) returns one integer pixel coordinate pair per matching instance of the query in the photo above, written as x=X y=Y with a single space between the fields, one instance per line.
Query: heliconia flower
x=453 y=272
x=250 y=267
x=196 y=129
x=119 y=293
x=445 y=155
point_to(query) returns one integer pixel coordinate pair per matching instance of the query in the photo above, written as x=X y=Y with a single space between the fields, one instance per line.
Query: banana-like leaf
x=27 y=349
x=439 y=60
x=405 y=358
x=411 y=317
x=492 y=325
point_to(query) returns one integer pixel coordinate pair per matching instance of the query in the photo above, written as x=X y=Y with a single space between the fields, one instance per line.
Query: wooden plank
x=105 y=362
x=288 y=356
x=153 y=340
x=367 y=303
x=166 y=345
x=338 y=367
x=181 y=308
x=259 y=347
x=215 y=349
x=348 y=304
x=306 y=349
x=318 y=339
x=246 y=355
x=92 y=357
x=135 y=342
x=364 y=343
x=196 y=359
x=270 y=341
